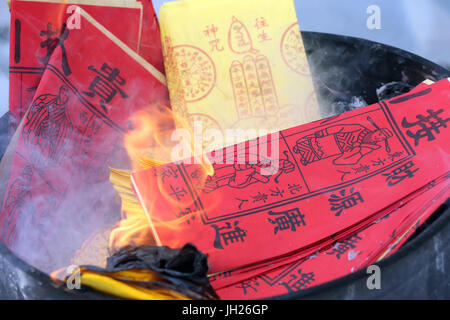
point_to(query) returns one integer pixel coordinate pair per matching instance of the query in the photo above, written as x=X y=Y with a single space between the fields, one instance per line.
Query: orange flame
x=148 y=145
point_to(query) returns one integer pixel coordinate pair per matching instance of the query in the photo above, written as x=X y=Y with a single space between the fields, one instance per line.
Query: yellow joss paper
x=118 y=285
x=237 y=64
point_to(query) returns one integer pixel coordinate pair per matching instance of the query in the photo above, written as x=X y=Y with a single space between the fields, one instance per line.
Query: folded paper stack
x=89 y=84
x=36 y=29
x=343 y=190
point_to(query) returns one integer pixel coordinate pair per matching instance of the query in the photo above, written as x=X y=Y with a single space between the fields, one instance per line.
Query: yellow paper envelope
x=237 y=64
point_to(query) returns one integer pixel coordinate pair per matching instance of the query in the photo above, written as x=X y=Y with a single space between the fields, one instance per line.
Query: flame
x=149 y=144
x=133 y=228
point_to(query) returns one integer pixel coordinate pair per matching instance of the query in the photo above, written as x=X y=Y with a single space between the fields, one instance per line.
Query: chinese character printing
x=227 y=235
x=343 y=200
x=287 y=220
x=427 y=125
x=106 y=84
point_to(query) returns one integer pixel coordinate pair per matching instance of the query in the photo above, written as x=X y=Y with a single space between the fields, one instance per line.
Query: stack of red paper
x=76 y=76
x=338 y=195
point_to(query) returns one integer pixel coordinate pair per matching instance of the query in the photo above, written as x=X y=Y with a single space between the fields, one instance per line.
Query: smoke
x=49 y=241
x=59 y=202
x=347 y=72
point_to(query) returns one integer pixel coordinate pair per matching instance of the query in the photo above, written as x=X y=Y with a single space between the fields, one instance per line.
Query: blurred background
x=418 y=26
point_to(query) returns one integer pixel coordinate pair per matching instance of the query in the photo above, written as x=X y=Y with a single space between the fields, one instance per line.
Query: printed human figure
x=242 y=174
x=235 y=176
x=349 y=143
x=17 y=203
x=48 y=128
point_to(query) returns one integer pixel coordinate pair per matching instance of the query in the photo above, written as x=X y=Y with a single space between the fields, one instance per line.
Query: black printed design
x=348 y=143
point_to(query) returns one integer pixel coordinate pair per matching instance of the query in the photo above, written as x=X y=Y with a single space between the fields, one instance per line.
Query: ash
x=393 y=89
x=385 y=92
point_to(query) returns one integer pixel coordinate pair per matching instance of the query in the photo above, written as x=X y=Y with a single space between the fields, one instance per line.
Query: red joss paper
x=375 y=243
x=38 y=26
x=359 y=250
x=329 y=176
x=72 y=131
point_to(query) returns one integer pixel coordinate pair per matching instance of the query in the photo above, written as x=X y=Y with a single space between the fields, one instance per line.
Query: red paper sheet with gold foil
x=36 y=28
x=59 y=187
x=333 y=174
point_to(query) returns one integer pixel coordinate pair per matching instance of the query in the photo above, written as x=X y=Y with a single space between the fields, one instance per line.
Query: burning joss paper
x=237 y=64
x=151 y=273
x=324 y=178
x=72 y=131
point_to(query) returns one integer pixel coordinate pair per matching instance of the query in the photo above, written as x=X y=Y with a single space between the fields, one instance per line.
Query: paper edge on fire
x=144 y=207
